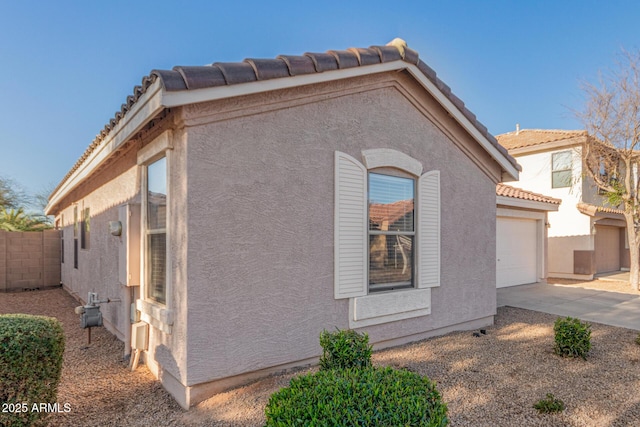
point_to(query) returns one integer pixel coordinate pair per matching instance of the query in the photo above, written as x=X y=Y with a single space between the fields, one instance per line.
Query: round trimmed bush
x=572 y=337
x=344 y=348
x=358 y=397
x=31 y=350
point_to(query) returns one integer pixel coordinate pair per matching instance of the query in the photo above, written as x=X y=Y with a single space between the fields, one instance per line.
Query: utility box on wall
x=129 y=251
x=140 y=336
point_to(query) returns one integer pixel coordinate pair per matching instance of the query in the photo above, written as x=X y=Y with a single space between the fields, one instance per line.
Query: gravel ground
x=491 y=380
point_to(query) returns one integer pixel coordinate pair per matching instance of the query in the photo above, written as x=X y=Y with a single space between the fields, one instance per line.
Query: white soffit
x=179 y=98
x=148 y=106
x=526 y=204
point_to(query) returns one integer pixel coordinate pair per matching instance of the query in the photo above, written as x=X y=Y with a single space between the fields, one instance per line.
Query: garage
x=516 y=251
x=607 y=248
x=521 y=217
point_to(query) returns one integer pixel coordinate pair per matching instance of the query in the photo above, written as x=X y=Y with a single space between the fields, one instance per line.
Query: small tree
x=12 y=195
x=18 y=220
x=611 y=117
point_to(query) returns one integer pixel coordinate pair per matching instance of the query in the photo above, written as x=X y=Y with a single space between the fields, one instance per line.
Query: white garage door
x=516 y=252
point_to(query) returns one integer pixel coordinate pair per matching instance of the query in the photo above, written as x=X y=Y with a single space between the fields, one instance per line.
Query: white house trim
x=156 y=314
x=156 y=98
x=389 y=307
x=387 y=157
x=149 y=104
x=526 y=204
x=179 y=98
x=350 y=227
x=510 y=170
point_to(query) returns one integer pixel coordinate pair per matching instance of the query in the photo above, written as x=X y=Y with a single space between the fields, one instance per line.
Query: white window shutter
x=350 y=233
x=429 y=230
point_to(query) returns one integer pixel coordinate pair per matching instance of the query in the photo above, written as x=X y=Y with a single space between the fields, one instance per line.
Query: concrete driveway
x=609 y=308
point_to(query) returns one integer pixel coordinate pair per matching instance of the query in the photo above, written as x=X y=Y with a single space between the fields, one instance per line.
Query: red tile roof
x=533 y=137
x=591 y=210
x=390 y=212
x=184 y=78
x=518 y=193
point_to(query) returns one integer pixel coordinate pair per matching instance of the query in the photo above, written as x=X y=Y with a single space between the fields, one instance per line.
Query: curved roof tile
x=345 y=58
x=266 y=69
x=518 y=193
x=323 y=61
x=365 y=56
x=182 y=78
x=298 y=65
x=236 y=72
x=201 y=77
x=532 y=137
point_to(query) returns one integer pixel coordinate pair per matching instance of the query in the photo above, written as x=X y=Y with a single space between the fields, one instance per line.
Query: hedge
x=358 y=397
x=31 y=350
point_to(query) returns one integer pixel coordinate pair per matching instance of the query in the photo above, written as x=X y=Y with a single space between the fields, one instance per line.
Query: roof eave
x=157 y=98
x=510 y=172
x=147 y=107
x=179 y=98
x=527 y=204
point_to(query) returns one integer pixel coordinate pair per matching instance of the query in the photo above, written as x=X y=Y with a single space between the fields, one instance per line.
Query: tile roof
x=591 y=210
x=390 y=212
x=185 y=78
x=518 y=193
x=532 y=137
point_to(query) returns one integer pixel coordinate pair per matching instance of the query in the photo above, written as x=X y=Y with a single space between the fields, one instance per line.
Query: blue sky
x=67 y=66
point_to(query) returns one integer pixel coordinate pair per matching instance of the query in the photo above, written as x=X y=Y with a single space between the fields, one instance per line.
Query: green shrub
x=358 y=397
x=31 y=350
x=638 y=339
x=549 y=404
x=572 y=337
x=344 y=349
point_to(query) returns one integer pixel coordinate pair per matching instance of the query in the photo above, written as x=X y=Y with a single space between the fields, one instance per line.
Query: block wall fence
x=29 y=260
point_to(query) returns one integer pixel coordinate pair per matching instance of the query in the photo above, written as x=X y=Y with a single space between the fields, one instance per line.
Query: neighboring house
x=521 y=235
x=584 y=238
x=242 y=192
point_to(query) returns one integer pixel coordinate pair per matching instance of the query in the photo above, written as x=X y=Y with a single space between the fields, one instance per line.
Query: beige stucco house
x=242 y=208
x=585 y=237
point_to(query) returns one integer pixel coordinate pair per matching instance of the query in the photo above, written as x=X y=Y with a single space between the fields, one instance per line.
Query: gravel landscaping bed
x=490 y=380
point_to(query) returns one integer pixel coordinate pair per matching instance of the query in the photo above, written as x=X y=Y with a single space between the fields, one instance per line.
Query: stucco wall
x=260 y=218
x=98 y=265
x=536 y=177
x=167 y=354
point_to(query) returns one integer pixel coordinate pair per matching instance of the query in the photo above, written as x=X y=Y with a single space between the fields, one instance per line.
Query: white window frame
x=569 y=169
x=351 y=231
x=382 y=286
x=157 y=314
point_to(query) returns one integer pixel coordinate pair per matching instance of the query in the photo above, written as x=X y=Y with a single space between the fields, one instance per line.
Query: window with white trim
x=561 y=167
x=391 y=232
x=407 y=260
x=364 y=263
x=156 y=231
